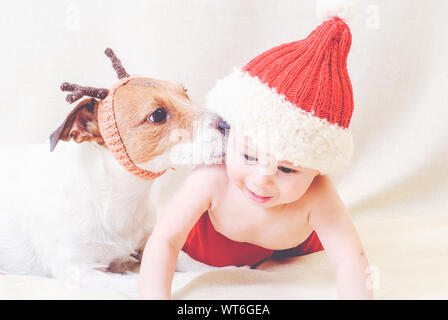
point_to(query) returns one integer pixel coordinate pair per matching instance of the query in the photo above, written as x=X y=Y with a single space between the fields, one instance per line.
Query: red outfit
x=208 y=246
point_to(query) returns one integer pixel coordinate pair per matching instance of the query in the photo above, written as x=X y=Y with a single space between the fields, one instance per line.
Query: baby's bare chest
x=275 y=230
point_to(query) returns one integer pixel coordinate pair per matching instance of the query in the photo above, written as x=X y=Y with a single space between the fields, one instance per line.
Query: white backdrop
x=398 y=66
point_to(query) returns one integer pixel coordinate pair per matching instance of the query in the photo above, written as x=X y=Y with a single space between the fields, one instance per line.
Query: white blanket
x=408 y=256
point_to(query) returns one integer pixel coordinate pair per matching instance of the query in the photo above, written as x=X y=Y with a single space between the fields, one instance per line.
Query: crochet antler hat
x=295 y=100
x=106 y=118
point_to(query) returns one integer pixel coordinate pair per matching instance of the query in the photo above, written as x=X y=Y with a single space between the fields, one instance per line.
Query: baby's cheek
x=236 y=175
x=292 y=192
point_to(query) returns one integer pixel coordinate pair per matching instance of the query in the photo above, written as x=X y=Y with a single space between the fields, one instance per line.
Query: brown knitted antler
x=77 y=92
x=116 y=63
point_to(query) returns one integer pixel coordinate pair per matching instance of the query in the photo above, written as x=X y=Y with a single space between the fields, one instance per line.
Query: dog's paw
x=122 y=266
x=137 y=255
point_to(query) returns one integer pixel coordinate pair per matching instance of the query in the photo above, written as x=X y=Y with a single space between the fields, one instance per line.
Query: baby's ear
x=80 y=125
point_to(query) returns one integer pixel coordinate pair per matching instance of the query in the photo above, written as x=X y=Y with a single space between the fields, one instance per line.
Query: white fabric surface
x=396 y=188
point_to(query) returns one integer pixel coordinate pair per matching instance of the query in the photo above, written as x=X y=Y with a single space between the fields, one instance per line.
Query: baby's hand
x=171 y=231
x=334 y=227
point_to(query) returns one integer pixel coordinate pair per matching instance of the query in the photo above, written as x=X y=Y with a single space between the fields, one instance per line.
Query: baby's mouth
x=257 y=198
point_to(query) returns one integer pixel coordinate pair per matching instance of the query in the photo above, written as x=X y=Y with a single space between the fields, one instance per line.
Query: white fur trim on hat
x=277 y=126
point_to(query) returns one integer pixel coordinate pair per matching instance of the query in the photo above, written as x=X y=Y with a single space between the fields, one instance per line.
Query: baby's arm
x=334 y=226
x=171 y=230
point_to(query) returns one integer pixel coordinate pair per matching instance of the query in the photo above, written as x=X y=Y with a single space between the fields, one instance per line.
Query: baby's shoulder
x=322 y=183
x=322 y=190
x=209 y=170
x=209 y=175
x=324 y=197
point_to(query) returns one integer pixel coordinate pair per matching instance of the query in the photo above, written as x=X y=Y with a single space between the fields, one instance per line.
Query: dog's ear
x=80 y=125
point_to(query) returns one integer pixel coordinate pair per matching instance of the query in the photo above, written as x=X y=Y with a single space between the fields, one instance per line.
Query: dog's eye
x=249 y=158
x=158 y=116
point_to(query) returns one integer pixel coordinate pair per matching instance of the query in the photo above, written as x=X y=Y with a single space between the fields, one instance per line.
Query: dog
x=75 y=213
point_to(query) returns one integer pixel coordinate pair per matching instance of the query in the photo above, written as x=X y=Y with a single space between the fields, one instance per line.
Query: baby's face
x=263 y=180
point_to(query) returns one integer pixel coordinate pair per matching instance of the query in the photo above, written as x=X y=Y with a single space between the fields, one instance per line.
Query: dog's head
x=153 y=121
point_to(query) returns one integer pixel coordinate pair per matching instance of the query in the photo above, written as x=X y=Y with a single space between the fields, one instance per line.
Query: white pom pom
x=344 y=9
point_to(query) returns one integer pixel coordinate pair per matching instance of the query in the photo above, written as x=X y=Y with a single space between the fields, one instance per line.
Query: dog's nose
x=223 y=126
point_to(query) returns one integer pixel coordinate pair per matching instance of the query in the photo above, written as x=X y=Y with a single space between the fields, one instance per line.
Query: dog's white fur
x=67 y=213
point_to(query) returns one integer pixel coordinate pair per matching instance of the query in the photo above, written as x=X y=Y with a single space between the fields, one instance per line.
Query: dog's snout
x=223 y=126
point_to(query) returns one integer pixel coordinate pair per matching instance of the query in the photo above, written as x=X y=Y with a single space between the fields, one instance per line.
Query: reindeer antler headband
x=106 y=116
x=77 y=91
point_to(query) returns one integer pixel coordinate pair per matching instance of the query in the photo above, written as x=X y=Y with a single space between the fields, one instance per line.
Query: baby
x=289 y=110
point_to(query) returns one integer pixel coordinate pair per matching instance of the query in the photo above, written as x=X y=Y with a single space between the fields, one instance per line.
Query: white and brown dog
x=76 y=213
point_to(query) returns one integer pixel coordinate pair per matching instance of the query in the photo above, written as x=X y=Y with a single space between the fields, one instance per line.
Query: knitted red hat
x=295 y=100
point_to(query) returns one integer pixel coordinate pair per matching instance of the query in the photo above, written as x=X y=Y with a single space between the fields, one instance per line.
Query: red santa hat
x=295 y=100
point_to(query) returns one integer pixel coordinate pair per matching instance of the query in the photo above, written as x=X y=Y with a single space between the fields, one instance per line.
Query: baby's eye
x=286 y=170
x=249 y=158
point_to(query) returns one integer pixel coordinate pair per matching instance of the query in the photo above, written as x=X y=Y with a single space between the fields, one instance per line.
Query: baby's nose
x=267 y=166
x=262 y=184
